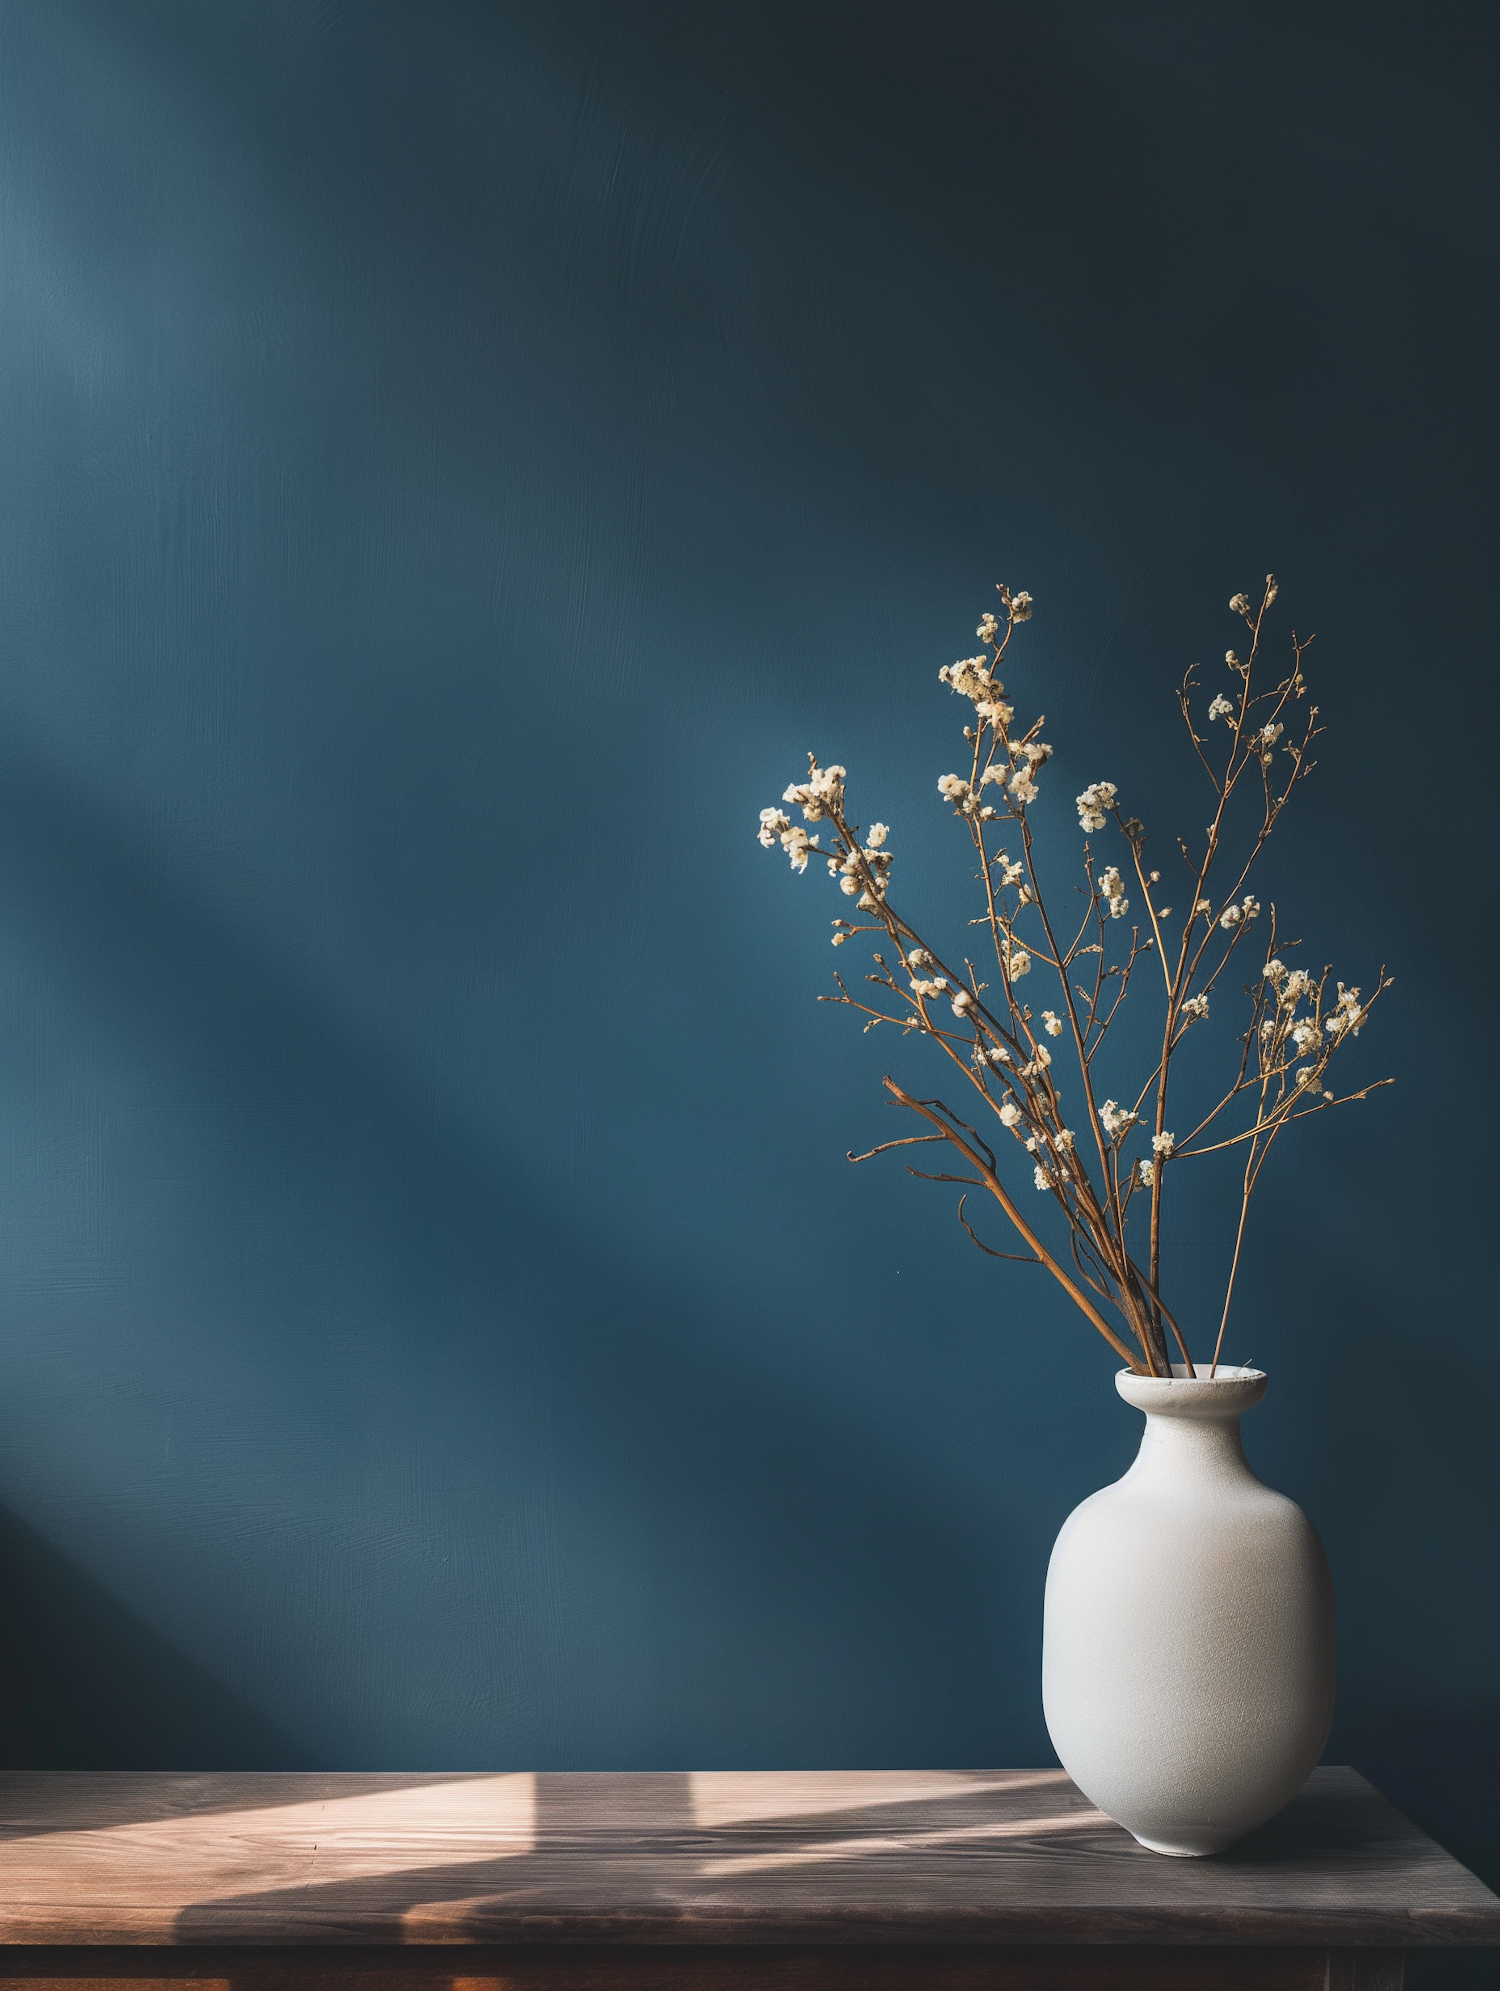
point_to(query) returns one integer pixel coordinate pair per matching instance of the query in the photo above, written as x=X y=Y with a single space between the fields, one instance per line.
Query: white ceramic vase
x=1187 y=1651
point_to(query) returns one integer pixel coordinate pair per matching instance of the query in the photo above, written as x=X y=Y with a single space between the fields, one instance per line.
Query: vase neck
x=1208 y=1448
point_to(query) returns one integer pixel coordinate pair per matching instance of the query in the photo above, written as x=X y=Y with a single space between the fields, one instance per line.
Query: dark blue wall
x=455 y=459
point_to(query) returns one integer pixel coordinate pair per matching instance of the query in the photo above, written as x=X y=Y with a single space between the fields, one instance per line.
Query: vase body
x=1187 y=1649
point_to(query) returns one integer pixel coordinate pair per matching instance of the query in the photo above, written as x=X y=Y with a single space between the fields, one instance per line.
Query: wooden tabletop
x=946 y=1856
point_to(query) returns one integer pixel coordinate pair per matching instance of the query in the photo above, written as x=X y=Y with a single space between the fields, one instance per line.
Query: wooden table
x=957 y=1879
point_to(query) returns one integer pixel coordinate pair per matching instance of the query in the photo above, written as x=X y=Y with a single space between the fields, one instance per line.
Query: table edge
x=1089 y=1927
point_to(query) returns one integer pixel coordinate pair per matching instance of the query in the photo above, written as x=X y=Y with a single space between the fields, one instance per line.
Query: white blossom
x=1298 y=984
x=878 y=865
x=1222 y=708
x=1306 y=1075
x=1162 y=1145
x=1231 y=659
x=987 y=629
x=1065 y=1138
x=928 y=989
x=1269 y=735
x=1201 y=906
x=1147 y=1173
x=1052 y=1023
x=970 y=675
x=1116 y=1119
x=1094 y=802
x=1304 y=1033
x=1275 y=970
x=1195 y=1008
x=798 y=846
x=772 y=824
x=1017 y=962
x=919 y=958
x=1347 y=1014
x=953 y=788
x=1232 y=915
x=1020 y=607
x=972 y=678
x=822 y=790
x=1240 y=604
x=877 y=835
x=961 y=1001
x=846 y=870
x=1010 y=1114
x=1112 y=885
x=1022 y=787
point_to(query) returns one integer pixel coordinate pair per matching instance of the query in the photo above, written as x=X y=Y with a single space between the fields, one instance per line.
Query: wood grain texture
x=724 y=1967
x=800 y=1858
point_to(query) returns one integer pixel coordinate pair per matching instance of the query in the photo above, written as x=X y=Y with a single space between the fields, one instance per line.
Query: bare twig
x=1016 y=1257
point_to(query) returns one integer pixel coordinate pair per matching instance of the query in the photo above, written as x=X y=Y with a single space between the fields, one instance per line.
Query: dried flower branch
x=1093 y=1168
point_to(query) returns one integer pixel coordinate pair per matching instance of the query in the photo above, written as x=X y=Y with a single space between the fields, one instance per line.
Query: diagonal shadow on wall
x=461 y=1236
x=86 y=1684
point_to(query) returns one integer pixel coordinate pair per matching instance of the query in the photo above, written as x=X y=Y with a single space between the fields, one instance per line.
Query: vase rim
x=1228 y=1393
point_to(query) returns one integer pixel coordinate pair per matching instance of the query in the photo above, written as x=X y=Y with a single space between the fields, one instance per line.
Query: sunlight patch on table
x=738 y=1797
x=875 y=1845
x=179 y=1862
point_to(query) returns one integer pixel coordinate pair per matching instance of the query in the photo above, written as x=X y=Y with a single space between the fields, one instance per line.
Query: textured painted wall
x=455 y=460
